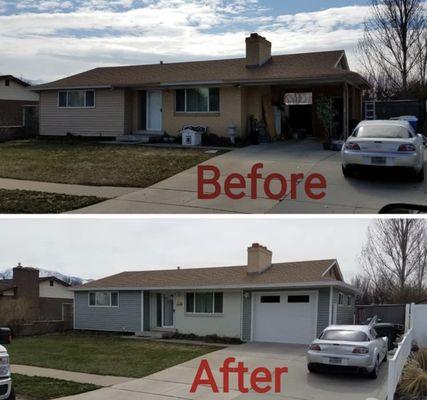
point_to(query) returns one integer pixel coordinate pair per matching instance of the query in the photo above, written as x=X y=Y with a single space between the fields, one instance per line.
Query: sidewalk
x=99 y=380
x=106 y=192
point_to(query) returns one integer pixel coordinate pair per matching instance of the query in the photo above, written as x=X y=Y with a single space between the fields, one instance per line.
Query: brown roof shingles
x=292 y=66
x=283 y=273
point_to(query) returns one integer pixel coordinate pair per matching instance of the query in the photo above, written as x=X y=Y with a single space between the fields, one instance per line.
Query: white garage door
x=285 y=317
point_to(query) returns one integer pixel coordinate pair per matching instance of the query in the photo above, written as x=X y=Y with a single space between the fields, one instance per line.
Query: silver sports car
x=356 y=347
x=385 y=144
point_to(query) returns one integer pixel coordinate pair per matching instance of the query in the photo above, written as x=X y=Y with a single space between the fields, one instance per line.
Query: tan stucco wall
x=106 y=119
x=230 y=111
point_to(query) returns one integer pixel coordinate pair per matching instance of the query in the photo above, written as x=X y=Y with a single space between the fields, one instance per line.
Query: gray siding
x=107 y=118
x=345 y=313
x=246 y=317
x=125 y=318
x=128 y=112
x=323 y=310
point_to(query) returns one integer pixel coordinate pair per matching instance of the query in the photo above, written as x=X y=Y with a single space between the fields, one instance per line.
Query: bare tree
x=395 y=253
x=390 y=47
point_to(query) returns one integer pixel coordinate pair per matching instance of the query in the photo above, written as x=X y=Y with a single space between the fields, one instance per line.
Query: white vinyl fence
x=416 y=319
x=396 y=364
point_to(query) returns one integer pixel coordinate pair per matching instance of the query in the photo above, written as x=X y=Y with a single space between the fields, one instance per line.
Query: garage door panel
x=285 y=317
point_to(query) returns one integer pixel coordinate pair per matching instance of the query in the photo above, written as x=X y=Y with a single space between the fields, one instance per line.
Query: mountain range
x=72 y=280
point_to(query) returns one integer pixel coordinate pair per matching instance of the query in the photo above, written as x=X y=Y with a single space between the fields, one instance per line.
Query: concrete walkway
x=99 y=380
x=298 y=384
x=178 y=194
x=106 y=192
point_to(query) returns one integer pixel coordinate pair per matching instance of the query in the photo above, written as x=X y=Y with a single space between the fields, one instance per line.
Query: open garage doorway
x=298 y=115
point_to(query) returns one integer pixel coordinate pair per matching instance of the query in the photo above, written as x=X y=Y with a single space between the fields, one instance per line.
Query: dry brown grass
x=414 y=377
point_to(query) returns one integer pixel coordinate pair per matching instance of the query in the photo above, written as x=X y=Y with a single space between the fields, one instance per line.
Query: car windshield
x=382 y=131
x=344 y=336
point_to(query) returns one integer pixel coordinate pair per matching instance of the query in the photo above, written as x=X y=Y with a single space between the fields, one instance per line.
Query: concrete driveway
x=178 y=194
x=298 y=384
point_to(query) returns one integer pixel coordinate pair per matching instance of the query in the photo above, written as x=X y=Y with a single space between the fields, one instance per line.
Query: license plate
x=335 y=360
x=379 y=160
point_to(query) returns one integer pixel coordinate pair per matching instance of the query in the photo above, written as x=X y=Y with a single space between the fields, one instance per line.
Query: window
x=345 y=336
x=340 y=298
x=76 y=99
x=190 y=302
x=204 y=303
x=197 y=100
x=270 y=299
x=103 y=299
x=386 y=131
x=51 y=282
x=349 y=300
x=7 y=82
x=298 y=299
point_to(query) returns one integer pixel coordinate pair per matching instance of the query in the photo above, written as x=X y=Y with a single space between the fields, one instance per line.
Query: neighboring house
x=48 y=298
x=16 y=99
x=153 y=99
x=286 y=302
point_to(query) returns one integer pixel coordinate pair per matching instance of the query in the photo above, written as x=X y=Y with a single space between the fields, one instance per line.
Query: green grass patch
x=88 y=163
x=29 y=202
x=102 y=354
x=38 y=388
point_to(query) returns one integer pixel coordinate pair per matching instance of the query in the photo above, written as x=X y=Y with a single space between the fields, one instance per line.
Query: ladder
x=370 y=110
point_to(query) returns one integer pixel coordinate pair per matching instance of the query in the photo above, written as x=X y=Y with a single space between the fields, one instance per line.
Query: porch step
x=139 y=138
x=157 y=333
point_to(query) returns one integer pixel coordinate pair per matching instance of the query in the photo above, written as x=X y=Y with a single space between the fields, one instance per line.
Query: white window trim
x=103 y=291
x=198 y=112
x=204 y=313
x=77 y=90
x=349 y=301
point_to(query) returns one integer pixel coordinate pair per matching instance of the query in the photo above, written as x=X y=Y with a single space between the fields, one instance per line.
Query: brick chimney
x=259 y=259
x=258 y=51
x=26 y=281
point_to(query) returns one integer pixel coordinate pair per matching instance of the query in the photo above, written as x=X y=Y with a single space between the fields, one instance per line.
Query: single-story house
x=261 y=301
x=282 y=90
x=16 y=101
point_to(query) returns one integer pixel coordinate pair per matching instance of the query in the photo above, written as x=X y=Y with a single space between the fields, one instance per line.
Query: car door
x=380 y=344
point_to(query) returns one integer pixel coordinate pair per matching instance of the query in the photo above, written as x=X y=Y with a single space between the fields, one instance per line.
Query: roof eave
x=42 y=88
x=245 y=286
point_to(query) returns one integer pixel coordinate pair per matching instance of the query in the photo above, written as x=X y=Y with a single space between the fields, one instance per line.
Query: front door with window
x=154 y=110
x=167 y=311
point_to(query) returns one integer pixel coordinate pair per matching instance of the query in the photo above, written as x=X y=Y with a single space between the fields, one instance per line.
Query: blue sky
x=43 y=40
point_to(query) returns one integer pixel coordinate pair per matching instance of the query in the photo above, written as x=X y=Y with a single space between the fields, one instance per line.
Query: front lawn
x=38 y=388
x=95 y=164
x=29 y=202
x=101 y=354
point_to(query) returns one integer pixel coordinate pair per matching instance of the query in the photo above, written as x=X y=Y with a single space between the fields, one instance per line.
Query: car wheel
x=347 y=171
x=419 y=176
x=375 y=371
x=312 y=368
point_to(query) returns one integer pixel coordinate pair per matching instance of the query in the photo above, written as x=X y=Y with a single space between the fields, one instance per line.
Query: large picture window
x=204 y=303
x=103 y=299
x=197 y=100
x=76 y=99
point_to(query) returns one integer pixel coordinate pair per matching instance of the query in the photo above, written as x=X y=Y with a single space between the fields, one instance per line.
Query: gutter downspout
x=331 y=292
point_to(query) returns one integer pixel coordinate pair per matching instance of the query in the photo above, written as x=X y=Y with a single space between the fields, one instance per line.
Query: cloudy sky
x=43 y=40
x=93 y=248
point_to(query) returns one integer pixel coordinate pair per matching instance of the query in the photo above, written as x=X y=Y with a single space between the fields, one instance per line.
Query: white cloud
x=45 y=45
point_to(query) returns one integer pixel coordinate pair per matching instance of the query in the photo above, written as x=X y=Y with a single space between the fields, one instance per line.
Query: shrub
x=414 y=378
